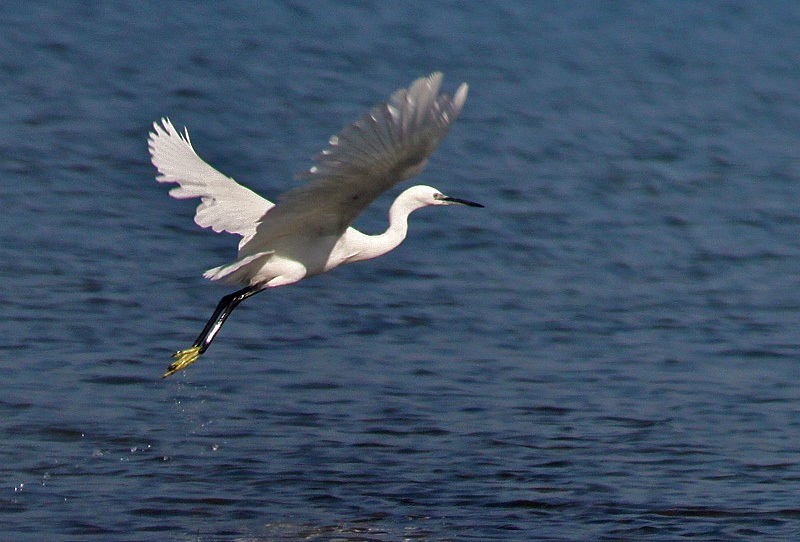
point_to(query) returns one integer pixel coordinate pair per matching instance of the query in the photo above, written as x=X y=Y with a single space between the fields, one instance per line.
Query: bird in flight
x=308 y=231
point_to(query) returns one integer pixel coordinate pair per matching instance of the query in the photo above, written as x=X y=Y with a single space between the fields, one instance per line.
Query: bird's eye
x=437 y=195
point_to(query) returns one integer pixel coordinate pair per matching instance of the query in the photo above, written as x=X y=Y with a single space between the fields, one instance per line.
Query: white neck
x=372 y=246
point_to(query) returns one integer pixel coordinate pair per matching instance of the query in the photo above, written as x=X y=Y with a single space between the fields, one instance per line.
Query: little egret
x=308 y=232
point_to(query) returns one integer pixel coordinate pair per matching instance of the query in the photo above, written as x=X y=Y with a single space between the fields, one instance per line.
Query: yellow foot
x=183 y=358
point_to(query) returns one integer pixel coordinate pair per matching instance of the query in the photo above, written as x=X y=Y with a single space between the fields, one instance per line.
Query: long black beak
x=461 y=201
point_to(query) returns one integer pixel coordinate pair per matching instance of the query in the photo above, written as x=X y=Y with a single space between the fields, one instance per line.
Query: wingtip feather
x=460 y=97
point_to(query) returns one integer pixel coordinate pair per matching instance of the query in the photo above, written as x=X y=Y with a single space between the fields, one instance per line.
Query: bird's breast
x=313 y=253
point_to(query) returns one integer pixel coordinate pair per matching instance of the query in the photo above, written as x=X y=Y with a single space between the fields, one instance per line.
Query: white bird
x=308 y=232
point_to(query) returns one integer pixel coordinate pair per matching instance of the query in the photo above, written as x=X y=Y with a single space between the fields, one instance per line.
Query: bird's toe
x=183 y=358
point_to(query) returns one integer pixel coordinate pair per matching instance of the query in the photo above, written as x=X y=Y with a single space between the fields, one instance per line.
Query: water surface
x=608 y=351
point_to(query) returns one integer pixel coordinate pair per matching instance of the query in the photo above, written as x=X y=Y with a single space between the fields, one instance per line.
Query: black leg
x=221 y=313
x=224 y=308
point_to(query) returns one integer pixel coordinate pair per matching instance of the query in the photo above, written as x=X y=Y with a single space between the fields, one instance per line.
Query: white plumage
x=226 y=205
x=308 y=232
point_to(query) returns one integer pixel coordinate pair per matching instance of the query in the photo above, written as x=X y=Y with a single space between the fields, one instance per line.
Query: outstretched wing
x=226 y=205
x=389 y=144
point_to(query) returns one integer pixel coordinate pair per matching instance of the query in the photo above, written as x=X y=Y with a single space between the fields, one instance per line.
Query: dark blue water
x=608 y=351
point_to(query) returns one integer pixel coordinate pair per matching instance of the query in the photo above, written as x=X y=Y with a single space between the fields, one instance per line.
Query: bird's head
x=428 y=195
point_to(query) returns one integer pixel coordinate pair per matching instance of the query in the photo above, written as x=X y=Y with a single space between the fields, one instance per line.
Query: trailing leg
x=184 y=358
